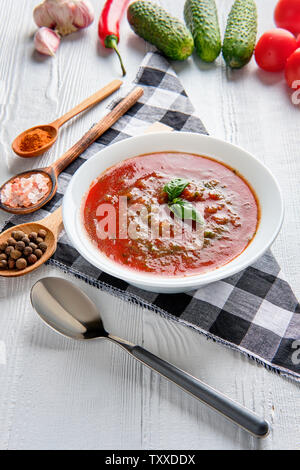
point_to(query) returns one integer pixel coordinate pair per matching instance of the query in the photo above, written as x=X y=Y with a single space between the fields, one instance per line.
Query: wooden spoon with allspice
x=51 y=130
x=52 y=225
x=52 y=172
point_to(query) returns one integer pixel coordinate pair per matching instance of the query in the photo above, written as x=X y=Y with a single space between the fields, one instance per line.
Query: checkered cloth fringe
x=255 y=311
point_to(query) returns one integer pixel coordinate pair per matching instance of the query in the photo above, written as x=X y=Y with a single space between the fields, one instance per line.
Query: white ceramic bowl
x=260 y=178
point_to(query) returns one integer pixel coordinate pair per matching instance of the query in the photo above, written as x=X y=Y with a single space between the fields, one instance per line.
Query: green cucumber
x=155 y=25
x=201 y=18
x=240 y=34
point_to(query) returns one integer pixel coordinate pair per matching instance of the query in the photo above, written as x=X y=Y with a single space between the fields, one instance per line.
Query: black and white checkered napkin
x=254 y=311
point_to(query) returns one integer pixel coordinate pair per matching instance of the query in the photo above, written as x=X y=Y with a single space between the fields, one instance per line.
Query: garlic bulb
x=65 y=16
x=46 y=41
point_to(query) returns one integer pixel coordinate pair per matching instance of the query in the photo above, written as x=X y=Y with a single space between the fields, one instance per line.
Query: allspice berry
x=38 y=253
x=18 y=235
x=42 y=233
x=20 y=246
x=11 y=264
x=21 y=263
x=3 y=246
x=32 y=236
x=27 y=251
x=11 y=242
x=26 y=240
x=3 y=256
x=43 y=246
x=32 y=259
x=3 y=264
x=8 y=250
x=15 y=254
x=39 y=240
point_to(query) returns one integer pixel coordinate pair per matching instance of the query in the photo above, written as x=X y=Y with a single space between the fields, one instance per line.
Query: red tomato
x=287 y=15
x=273 y=49
x=292 y=70
x=298 y=40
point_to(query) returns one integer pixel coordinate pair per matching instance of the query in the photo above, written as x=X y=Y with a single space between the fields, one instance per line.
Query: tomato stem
x=111 y=42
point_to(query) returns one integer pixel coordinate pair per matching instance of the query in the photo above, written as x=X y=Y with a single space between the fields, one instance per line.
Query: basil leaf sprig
x=182 y=209
x=185 y=210
x=175 y=187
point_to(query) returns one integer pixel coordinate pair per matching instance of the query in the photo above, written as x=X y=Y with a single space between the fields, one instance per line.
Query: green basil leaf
x=177 y=209
x=175 y=187
x=185 y=210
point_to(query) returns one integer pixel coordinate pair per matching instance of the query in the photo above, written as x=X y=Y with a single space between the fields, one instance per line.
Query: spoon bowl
x=66 y=309
x=70 y=312
x=48 y=172
x=52 y=224
x=51 y=129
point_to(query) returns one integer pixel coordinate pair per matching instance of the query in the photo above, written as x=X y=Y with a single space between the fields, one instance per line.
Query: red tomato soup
x=226 y=207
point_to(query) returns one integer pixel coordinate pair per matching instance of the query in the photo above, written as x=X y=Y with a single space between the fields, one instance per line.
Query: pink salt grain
x=25 y=192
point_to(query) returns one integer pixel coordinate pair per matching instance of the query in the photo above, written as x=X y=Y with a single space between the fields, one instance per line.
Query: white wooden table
x=57 y=394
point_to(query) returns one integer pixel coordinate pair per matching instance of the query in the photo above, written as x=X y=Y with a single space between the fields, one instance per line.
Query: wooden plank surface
x=57 y=394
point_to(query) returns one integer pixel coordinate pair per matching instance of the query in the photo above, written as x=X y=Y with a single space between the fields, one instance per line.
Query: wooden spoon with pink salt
x=29 y=191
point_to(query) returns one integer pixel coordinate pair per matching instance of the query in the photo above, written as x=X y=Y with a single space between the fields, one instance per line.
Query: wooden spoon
x=51 y=172
x=53 y=127
x=53 y=225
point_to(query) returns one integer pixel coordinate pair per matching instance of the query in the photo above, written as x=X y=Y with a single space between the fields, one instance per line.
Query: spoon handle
x=54 y=222
x=216 y=400
x=91 y=101
x=103 y=125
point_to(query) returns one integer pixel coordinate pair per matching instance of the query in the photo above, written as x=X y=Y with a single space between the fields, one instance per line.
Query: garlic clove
x=83 y=14
x=46 y=41
x=42 y=17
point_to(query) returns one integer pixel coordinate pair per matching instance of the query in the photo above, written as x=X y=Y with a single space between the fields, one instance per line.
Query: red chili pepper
x=109 y=25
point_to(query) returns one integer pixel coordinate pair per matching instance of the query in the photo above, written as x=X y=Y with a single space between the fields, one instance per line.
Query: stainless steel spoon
x=70 y=312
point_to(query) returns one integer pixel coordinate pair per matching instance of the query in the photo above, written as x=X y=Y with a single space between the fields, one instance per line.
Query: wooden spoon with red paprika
x=39 y=139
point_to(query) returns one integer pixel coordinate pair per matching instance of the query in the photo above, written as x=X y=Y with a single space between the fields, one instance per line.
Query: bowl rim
x=147 y=280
